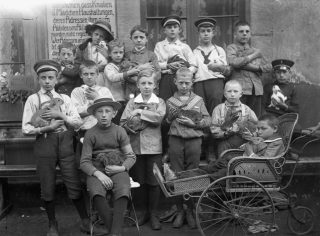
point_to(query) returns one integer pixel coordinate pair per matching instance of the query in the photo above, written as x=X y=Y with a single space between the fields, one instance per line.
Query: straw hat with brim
x=102 y=25
x=103 y=102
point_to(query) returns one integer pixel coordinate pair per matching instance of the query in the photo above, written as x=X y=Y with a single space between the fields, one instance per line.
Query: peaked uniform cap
x=103 y=102
x=282 y=64
x=102 y=25
x=46 y=65
x=169 y=20
x=205 y=22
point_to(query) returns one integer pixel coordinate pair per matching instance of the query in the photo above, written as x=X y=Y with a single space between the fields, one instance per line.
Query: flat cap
x=209 y=22
x=282 y=64
x=46 y=65
x=170 y=20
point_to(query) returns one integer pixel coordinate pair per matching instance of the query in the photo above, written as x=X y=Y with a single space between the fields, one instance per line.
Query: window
x=12 y=46
x=153 y=11
x=226 y=12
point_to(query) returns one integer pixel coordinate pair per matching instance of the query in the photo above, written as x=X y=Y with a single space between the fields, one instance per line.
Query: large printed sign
x=66 y=20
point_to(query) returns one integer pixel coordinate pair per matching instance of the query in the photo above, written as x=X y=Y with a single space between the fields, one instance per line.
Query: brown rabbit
x=37 y=120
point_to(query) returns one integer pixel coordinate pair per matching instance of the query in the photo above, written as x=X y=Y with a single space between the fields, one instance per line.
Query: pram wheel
x=235 y=205
x=300 y=220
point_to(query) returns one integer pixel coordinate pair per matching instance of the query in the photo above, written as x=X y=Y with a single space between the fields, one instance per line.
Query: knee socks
x=143 y=197
x=81 y=207
x=153 y=195
x=102 y=206
x=120 y=205
x=50 y=209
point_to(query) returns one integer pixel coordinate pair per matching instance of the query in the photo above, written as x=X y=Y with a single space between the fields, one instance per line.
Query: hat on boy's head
x=103 y=102
x=100 y=24
x=170 y=20
x=208 y=22
x=46 y=65
x=282 y=64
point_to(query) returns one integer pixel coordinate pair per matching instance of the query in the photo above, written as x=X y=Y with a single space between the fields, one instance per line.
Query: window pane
x=11 y=46
x=17 y=46
x=218 y=7
x=152 y=8
x=224 y=30
x=166 y=7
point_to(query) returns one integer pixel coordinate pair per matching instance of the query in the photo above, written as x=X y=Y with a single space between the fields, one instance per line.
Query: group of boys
x=191 y=88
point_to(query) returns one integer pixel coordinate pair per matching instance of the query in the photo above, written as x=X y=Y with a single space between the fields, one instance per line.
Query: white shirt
x=152 y=99
x=80 y=101
x=217 y=54
x=32 y=106
x=165 y=50
x=96 y=56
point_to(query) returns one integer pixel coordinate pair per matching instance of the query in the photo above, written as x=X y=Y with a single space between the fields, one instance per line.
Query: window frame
x=192 y=15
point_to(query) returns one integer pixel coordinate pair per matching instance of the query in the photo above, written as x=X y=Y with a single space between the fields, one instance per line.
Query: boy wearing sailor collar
x=212 y=65
x=270 y=143
x=185 y=134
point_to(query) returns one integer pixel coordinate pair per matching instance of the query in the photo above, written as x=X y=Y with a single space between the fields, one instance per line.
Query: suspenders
x=39 y=99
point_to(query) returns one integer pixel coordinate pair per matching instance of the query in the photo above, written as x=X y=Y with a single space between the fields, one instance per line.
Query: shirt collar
x=201 y=48
x=141 y=51
x=84 y=86
x=43 y=91
x=273 y=138
x=246 y=46
x=153 y=99
x=238 y=104
x=176 y=95
x=177 y=42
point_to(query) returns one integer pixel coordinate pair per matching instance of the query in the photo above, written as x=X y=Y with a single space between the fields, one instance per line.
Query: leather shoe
x=53 y=229
x=143 y=218
x=179 y=220
x=190 y=219
x=97 y=229
x=155 y=223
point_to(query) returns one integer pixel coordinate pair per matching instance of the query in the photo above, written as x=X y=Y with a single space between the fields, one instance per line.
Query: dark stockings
x=50 y=209
x=81 y=207
x=120 y=205
x=114 y=223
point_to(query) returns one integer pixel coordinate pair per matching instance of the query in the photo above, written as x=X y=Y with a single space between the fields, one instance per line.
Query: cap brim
x=205 y=23
x=283 y=68
x=116 y=106
x=171 y=22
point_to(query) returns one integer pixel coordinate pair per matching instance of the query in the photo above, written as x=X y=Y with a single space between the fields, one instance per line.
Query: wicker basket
x=188 y=185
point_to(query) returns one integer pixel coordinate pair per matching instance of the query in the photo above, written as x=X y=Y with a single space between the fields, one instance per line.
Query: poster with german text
x=66 y=20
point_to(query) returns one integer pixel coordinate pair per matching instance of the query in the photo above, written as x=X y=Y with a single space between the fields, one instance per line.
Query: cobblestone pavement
x=27 y=218
x=33 y=222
